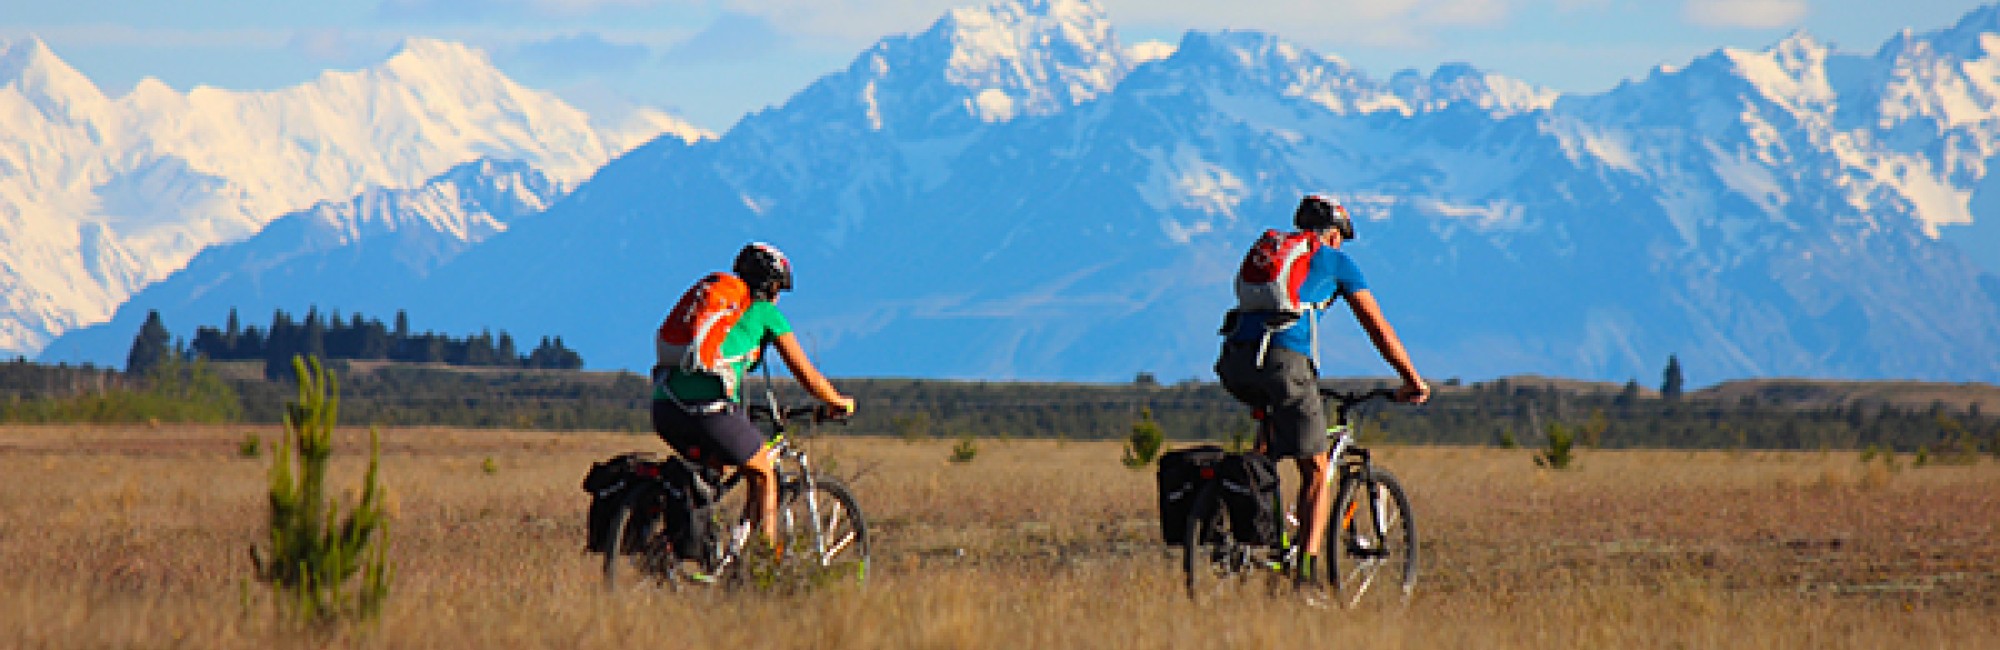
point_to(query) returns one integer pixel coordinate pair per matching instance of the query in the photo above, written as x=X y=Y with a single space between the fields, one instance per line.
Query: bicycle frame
x=1350 y=458
x=784 y=453
x=1341 y=429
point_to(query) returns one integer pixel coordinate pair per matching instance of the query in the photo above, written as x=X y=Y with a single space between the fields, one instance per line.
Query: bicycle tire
x=627 y=565
x=1208 y=544
x=1376 y=538
x=825 y=531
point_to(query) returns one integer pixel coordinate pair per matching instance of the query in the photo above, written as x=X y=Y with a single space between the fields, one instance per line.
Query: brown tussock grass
x=139 y=537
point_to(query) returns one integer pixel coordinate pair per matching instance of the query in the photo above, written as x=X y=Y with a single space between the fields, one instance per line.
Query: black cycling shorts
x=725 y=437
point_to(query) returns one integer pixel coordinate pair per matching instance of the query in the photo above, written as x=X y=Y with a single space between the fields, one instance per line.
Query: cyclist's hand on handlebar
x=840 y=409
x=1414 y=391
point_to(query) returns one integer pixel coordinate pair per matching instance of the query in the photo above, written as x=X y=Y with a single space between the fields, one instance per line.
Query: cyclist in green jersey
x=705 y=421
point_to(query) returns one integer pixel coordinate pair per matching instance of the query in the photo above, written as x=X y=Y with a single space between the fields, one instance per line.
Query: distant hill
x=1822 y=393
x=1904 y=416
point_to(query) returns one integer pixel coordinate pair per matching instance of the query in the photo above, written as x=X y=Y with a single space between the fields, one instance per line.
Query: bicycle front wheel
x=634 y=549
x=824 y=531
x=1375 y=552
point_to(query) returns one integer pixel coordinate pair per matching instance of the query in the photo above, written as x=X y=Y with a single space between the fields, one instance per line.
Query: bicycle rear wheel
x=1209 y=548
x=1375 y=552
x=824 y=532
x=635 y=551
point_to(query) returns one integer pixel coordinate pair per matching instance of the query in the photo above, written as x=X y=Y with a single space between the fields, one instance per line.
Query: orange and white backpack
x=690 y=339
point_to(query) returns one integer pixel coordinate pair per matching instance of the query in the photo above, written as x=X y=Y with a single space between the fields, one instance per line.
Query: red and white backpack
x=1272 y=272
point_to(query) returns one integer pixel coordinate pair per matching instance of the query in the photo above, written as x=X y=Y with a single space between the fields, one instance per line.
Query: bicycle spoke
x=833 y=521
x=827 y=558
x=1369 y=569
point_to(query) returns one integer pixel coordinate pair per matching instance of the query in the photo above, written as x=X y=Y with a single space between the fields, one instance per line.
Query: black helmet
x=764 y=268
x=1317 y=212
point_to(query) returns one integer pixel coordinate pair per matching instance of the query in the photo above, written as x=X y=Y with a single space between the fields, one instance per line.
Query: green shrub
x=1144 y=444
x=966 y=450
x=251 y=447
x=1559 y=452
x=312 y=562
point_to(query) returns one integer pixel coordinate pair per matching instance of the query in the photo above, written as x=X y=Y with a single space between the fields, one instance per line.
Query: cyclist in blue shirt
x=1280 y=376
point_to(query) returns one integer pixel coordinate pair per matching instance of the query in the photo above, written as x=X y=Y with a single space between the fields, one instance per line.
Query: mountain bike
x=1371 y=542
x=822 y=534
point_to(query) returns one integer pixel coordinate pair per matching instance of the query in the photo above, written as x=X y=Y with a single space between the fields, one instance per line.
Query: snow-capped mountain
x=101 y=196
x=351 y=254
x=1012 y=194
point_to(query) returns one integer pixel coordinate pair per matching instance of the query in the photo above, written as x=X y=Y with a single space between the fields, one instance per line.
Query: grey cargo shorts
x=1287 y=388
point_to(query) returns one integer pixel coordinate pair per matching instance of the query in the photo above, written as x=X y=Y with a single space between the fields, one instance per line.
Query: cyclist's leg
x=1296 y=420
x=1316 y=508
x=763 y=495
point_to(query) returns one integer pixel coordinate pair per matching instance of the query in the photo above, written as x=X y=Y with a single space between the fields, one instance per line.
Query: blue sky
x=712 y=61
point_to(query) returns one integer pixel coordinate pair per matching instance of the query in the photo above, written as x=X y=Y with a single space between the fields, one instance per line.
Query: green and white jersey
x=761 y=323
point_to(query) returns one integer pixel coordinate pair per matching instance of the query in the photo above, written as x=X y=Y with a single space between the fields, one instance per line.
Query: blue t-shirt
x=1332 y=274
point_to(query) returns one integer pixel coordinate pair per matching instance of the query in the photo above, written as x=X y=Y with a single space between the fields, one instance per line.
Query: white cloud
x=1752 y=14
x=850 y=21
x=502 y=10
x=1375 y=23
x=1466 y=13
x=112 y=35
x=330 y=45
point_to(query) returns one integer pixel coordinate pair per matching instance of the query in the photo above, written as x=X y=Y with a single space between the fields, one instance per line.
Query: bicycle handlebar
x=818 y=413
x=1351 y=399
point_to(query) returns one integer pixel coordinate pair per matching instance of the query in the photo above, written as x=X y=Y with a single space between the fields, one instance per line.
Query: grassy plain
x=139 y=537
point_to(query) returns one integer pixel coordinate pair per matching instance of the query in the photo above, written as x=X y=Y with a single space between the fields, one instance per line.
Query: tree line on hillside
x=337 y=338
x=1495 y=413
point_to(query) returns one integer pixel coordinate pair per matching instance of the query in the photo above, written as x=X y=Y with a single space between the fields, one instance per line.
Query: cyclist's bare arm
x=1370 y=316
x=808 y=376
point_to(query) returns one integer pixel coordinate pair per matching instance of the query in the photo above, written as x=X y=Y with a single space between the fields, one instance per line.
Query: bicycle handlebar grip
x=827 y=413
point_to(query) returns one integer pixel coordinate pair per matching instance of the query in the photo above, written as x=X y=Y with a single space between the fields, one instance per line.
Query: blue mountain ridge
x=1692 y=213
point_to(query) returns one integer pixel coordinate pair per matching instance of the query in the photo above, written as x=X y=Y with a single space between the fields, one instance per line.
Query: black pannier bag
x=608 y=482
x=684 y=510
x=1180 y=478
x=1250 y=492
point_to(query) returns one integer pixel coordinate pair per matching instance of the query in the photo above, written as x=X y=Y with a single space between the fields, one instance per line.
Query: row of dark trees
x=1498 y=413
x=337 y=338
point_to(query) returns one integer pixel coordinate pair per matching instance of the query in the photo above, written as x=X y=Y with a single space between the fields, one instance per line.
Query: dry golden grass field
x=139 y=537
